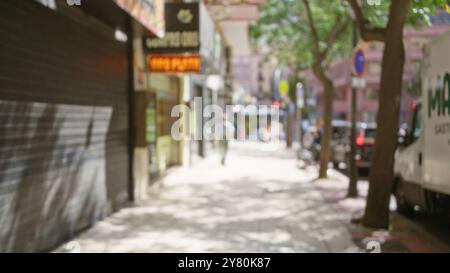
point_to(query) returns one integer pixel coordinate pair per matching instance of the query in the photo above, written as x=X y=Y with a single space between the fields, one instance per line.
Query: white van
x=422 y=168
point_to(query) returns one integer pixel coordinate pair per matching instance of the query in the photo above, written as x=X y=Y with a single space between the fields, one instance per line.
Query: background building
x=340 y=73
x=234 y=18
x=65 y=105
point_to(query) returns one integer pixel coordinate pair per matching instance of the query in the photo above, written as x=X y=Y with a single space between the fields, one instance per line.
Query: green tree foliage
x=283 y=26
x=307 y=34
x=377 y=12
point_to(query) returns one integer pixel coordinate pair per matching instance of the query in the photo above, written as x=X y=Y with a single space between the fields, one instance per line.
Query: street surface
x=261 y=201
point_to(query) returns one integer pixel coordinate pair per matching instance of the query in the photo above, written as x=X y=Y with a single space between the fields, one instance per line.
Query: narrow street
x=259 y=202
x=116 y=115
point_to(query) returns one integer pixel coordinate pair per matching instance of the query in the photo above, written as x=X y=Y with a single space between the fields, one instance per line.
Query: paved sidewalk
x=417 y=234
x=259 y=202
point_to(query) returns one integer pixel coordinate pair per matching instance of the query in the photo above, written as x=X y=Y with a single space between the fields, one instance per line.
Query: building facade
x=65 y=90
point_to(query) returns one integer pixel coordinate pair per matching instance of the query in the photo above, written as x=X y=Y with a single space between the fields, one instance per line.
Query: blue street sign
x=359 y=63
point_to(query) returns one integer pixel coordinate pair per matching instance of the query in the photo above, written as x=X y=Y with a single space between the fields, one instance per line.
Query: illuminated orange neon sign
x=174 y=63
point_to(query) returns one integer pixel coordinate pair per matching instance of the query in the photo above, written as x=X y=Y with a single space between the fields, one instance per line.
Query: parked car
x=310 y=149
x=365 y=140
x=340 y=143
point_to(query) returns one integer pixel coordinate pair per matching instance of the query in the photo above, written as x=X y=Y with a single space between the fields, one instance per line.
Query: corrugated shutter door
x=63 y=125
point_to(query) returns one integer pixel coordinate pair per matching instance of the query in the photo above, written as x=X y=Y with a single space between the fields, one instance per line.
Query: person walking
x=227 y=136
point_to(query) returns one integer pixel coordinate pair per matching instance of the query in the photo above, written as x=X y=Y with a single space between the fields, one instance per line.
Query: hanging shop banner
x=150 y=13
x=165 y=63
x=182 y=30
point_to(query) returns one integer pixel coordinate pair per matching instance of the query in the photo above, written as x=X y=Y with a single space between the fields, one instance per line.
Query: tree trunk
x=327 y=117
x=352 y=191
x=381 y=174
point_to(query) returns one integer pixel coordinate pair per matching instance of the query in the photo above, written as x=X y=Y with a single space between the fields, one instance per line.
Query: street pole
x=289 y=125
x=353 y=172
x=300 y=94
x=298 y=125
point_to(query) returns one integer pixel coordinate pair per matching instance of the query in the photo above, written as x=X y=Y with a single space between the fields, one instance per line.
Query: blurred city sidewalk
x=259 y=202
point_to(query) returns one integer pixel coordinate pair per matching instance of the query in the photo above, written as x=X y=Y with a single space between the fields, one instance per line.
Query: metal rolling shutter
x=63 y=125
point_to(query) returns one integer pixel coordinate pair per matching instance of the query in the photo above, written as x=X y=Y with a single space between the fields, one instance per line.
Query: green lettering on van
x=434 y=100
x=446 y=91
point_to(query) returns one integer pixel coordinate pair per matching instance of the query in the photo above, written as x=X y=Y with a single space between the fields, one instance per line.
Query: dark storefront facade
x=64 y=120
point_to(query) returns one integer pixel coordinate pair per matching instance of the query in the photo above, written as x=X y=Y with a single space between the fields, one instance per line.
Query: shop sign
x=182 y=30
x=158 y=82
x=150 y=13
x=164 y=63
x=283 y=87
